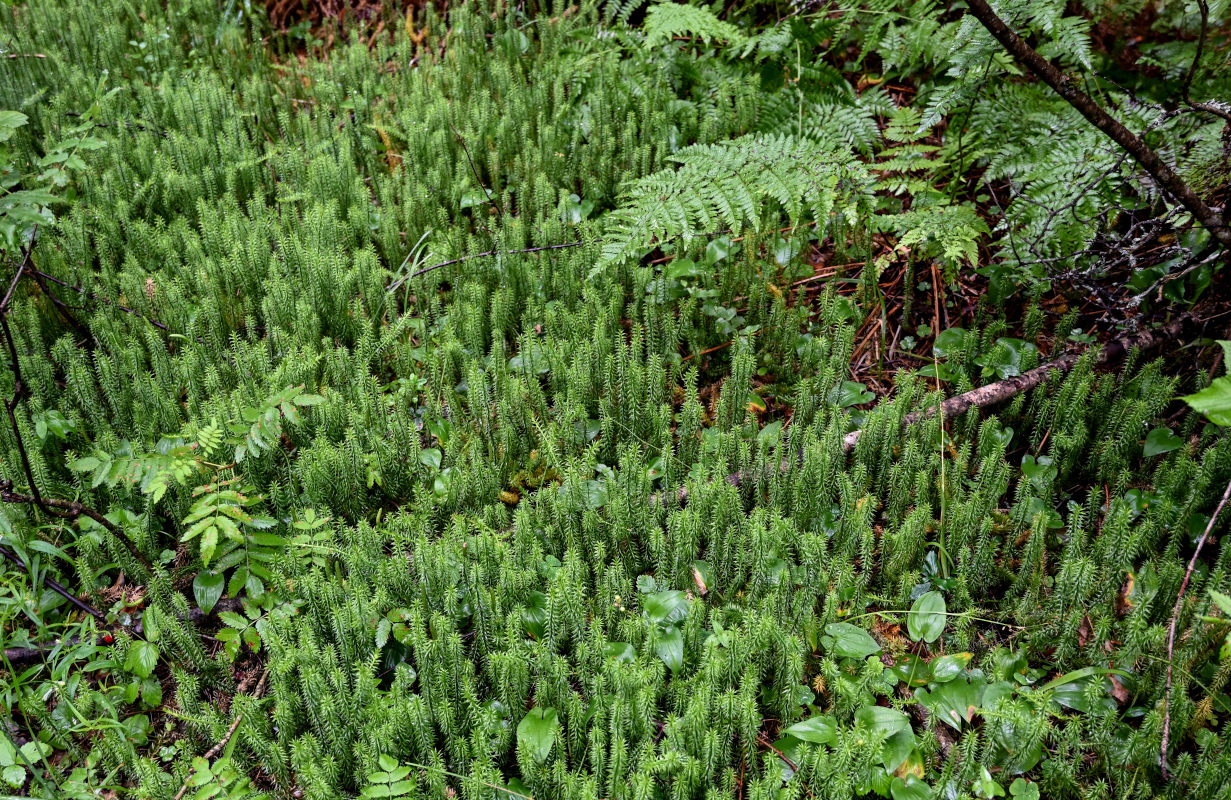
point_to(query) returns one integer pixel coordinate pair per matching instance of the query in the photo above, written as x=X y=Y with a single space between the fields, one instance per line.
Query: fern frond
x=733 y=184
x=665 y=21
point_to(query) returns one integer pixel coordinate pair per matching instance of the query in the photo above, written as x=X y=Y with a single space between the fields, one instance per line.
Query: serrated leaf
x=233 y=619
x=142 y=658
x=1214 y=401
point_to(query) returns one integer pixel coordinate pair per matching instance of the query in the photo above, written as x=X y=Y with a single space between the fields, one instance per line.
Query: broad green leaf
x=949 y=341
x=850 y=393
x=910 y=788
x=897 y=749
x=953 y=702
x=1161 y=440
x=948 y=667
x=986 y=786
x=620 y=651
x=851 y=641
x=10 y=121
x=912 y=670
x=818 y=730
x=142 y=658
x=1214 y=401
x=670 y=648
x=207 y=589
x=537 y=733
x=702 y=576
x=233 y=619
x=880 y=719
x=430 y=457
x=1021 y=789
x=665 y=607
x=926 y=620
x=14 y=775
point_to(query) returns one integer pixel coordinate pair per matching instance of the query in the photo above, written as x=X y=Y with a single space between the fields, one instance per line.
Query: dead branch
x=56 y=587
x=216 y=749
x=1000 y=391
x=1163 y=175
x=1175 y=616
x=994 y=393
x=23 y=655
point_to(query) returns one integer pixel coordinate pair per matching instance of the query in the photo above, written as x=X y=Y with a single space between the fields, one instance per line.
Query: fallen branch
x=1134 y=145
x=1175 y=616
x=71 y=509
x=995 y=393
x=54 y=586
x=41 y=276
x=22 y=655
x=216 y=749
x=1000 y=391
x=63 y=509
x=764 y=741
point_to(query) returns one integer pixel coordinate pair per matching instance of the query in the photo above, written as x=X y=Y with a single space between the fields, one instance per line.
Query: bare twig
x=1215 y=107
x=474 y=170
x=1175 y=616
x=998 y=392
x=764 y=741
x=216 y=749
x=56 y=587
x=41 y=276
x=992 y=393
x=21 y=655
x=72 y=509
x=63 y=509
x=393 y=286
x=1163 y=175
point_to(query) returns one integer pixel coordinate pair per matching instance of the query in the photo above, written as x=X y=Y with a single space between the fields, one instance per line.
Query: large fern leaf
x=731 y=185
x=665 y=21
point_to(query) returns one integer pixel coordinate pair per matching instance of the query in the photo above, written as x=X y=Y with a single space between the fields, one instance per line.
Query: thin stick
x=991 y=394
x=450 y=262
x=763 y=740
x=475 y=171
x=216 y=749
x=1000 y=391
x=1175 y=617
x=54 y=586
x=97 y=298
x=71 y=510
